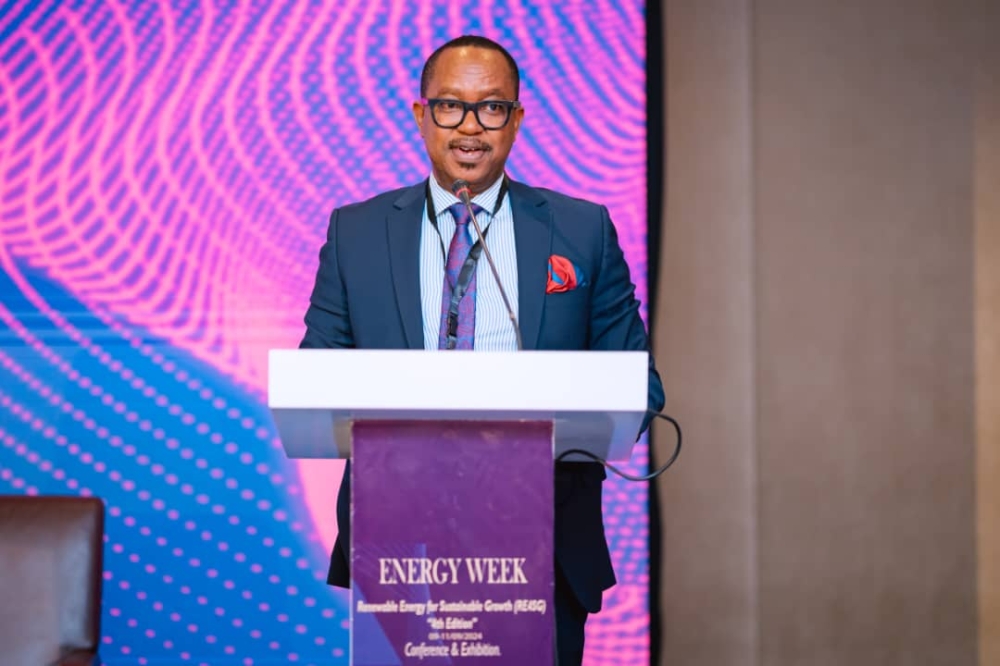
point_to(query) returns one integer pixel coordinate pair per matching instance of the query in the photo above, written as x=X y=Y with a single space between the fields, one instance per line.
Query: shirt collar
x=486 y=199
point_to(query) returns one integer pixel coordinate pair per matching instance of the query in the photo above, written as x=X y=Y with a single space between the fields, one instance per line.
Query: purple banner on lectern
x=451 y=556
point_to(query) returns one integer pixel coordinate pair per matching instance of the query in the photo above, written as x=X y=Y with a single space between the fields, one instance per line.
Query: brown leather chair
x=51 y=568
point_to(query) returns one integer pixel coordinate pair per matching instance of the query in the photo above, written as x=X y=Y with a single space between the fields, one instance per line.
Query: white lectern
x=597 y=400
x=452 y=503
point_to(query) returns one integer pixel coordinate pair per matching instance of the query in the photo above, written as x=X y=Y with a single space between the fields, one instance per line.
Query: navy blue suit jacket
x=367 y=295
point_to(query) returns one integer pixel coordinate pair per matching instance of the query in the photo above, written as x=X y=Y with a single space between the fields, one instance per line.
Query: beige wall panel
x=864 y=220
x=705 y=337
x=988 y=336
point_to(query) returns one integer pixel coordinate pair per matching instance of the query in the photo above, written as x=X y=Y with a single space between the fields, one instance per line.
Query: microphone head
x=461 y=189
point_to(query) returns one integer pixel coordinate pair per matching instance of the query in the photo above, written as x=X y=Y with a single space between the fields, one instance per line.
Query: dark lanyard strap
x=468 y=267
x=464 y=278
x=433 y=216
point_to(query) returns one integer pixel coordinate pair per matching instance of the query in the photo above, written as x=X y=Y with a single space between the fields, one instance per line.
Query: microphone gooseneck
x=461 y=189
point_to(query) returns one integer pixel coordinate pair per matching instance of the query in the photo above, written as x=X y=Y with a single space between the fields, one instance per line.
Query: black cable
x=625 y=475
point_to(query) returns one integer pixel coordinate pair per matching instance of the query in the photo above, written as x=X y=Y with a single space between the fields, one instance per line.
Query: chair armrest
x=78 y=658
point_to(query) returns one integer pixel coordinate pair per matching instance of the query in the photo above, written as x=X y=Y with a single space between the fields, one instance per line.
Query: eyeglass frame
x=431 y=102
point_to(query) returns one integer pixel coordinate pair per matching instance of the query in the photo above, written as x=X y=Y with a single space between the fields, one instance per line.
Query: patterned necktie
x=461 y=244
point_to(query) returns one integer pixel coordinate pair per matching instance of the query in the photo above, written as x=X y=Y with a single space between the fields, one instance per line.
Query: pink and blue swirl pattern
x=166 y=172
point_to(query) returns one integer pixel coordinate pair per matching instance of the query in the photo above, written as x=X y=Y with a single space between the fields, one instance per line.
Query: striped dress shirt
x=494 y=331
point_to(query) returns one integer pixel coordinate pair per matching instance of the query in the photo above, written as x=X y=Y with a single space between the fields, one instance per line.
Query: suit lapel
x=403 y=228
x=533 y=241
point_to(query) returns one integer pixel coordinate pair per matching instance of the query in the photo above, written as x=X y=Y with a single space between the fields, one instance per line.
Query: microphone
x=460 y=188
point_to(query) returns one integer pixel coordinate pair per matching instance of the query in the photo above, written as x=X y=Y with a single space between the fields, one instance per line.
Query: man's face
x=468 y=151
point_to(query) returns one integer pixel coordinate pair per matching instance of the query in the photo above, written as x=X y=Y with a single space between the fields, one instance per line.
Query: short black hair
x=469 y=40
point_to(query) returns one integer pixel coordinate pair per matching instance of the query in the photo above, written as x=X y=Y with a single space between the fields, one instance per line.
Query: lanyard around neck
x=468 y=267
x=433 y=215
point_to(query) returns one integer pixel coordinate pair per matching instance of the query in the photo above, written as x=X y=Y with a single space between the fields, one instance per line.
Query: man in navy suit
x=383 y=276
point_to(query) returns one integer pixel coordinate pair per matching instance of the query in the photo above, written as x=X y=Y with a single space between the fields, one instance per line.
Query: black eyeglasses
x=492 y=114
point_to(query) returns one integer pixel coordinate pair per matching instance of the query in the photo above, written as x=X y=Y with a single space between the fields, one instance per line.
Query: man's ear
x=418 y=115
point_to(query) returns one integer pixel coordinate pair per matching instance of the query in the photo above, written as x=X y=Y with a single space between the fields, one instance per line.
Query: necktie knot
x=460 y=212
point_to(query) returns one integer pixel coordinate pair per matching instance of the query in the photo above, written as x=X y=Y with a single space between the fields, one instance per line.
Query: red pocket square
x=564 y=275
